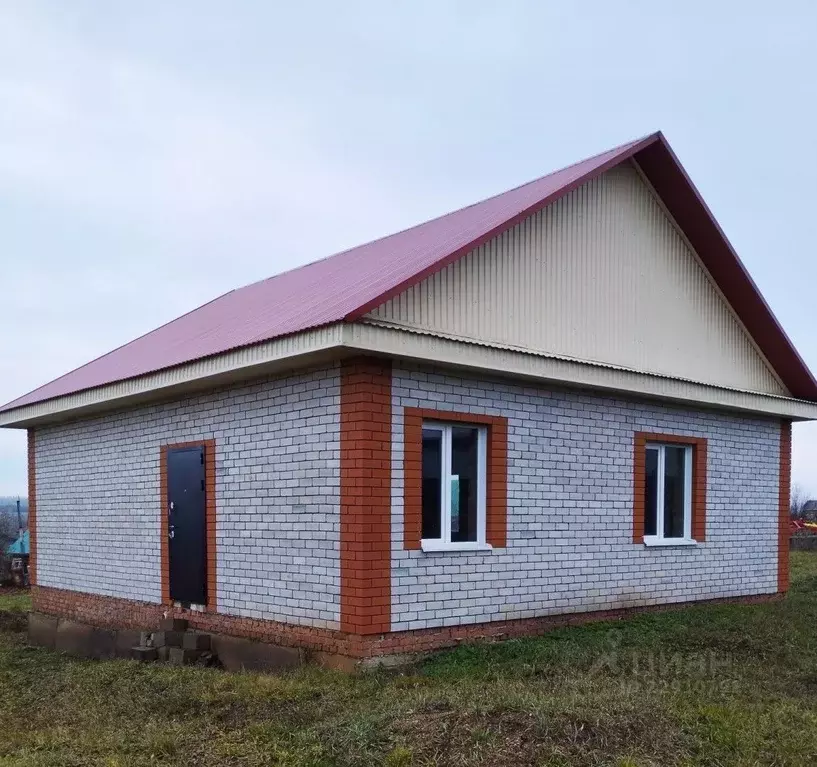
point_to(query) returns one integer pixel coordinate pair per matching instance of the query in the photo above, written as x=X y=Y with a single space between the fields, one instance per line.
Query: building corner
x=365 y=495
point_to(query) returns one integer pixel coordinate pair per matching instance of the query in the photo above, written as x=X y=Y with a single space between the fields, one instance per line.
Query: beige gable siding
x=601 y=275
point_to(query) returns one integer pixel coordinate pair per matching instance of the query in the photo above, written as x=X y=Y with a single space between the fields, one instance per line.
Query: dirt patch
x=503 y=737
x=13 y=621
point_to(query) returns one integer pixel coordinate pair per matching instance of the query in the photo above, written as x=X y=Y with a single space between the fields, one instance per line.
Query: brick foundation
x=116 y=613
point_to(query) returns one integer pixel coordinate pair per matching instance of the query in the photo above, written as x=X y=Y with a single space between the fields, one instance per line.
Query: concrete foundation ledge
x=103 y=627
x=42 y=630
x=84 y=641
x=71 y=637
x=237 y=654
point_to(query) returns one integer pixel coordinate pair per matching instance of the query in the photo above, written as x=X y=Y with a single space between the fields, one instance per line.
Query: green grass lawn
x=14 y=601
x=726 y=685
x=14 y=604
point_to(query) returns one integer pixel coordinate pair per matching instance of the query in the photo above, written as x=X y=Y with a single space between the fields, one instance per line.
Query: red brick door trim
x=209 y=446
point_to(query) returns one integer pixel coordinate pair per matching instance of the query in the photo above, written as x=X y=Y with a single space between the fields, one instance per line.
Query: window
x=453 y=486
x=445 y=450
x=670 y=489
x=668 y=493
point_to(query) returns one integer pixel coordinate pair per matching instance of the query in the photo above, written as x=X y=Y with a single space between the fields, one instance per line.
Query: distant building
x=20 y=546
x=17 y=559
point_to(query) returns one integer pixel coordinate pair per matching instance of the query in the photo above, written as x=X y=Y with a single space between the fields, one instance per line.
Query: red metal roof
x=345 y=286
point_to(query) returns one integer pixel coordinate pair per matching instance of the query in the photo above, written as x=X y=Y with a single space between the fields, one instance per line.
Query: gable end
x=602 y=275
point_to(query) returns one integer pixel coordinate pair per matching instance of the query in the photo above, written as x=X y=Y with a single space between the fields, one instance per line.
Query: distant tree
x=799 y=498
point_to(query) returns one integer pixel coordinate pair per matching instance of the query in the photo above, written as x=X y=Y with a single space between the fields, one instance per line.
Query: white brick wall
x=277 y=484
x=277 y=490
x=570 y=492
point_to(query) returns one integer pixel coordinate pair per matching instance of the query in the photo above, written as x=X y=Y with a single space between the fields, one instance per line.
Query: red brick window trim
x=209 y=446
x=496 y=486
x=698 y=501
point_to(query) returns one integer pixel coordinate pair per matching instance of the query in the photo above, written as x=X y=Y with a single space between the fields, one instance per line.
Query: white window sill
x=650 y=541
x=431 y=545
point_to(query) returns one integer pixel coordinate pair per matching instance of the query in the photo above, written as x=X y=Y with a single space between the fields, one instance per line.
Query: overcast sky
x=154 y=155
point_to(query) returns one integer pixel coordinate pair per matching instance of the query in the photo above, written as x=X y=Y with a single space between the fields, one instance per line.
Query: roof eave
x=326 y=345
x=310 y=347
x=371 y=337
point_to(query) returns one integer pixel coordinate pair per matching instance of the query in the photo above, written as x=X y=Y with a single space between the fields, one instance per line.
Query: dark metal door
x=187 y=525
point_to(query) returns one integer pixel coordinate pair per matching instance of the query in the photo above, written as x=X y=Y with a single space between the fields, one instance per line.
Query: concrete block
x=236 y=654
x=334 y=661
x=178 y=656
x=42 y=630
x=168 y=638
x=144 y=654
x=13 y=622
x=125 y=641
x=173 y=624
x=103 y=644
x=395 y=660
x=193 y=641
x=163 y=654
x=74 y=638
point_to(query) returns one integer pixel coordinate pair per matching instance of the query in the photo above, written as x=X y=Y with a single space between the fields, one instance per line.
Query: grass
x=708 y=685
x=14 y=604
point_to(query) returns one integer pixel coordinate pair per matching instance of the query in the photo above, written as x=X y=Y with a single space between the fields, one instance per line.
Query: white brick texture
x=570 y=507
x=570 y=494
x=277 y=498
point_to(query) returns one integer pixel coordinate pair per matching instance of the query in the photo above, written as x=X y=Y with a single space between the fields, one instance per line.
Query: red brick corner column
x=784 y=510
x=365 y=495
x=32 y=508
x=209 y=446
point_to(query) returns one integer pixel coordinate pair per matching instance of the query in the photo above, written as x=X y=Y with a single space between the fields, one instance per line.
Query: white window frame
x=444 y=542
x=658 y=539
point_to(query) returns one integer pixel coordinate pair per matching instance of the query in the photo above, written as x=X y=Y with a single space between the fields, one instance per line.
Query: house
x=565 y=402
